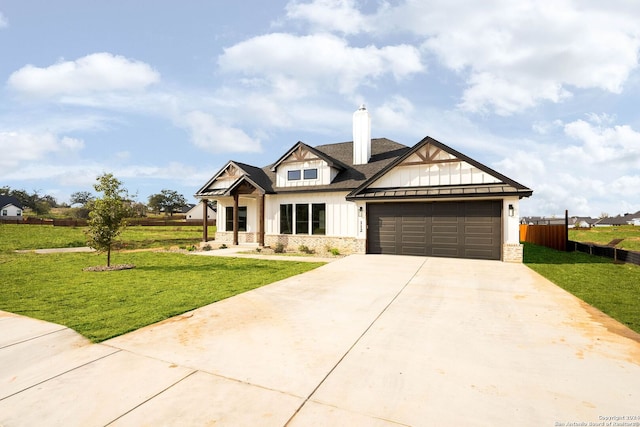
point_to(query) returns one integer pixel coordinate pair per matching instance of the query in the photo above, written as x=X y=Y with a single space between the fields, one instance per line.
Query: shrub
x=305 y=249
x=279 y=249
x=206 y=247
x=334 y=251
x=223 y=246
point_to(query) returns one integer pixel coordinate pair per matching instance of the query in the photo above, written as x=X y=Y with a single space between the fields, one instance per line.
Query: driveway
x=368 y=340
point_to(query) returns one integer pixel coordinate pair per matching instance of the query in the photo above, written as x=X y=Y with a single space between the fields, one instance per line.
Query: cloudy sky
x=164 y=93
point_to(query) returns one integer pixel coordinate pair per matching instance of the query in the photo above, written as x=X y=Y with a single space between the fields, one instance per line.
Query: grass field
x=101 y=305
x=14 y=236
x=612 y=288
x=604 y=235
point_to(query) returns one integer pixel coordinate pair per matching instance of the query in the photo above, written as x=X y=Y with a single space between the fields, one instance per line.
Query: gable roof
x=244 y=172
x=339 y=156
x=501 y=187
x=357 y=179
x=10 y=200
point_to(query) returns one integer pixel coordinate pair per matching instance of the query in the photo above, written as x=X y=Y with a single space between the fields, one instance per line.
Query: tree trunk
x=109 y=256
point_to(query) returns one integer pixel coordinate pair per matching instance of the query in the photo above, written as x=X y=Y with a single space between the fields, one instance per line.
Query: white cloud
x=21 y=148
x=329 y=15
x=209 y=134
x=513 y=55
x=98 y=72
x=3 y=21
x=298 y=66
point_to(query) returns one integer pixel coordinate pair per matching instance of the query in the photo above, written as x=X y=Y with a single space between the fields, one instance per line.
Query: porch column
x=236 y=222
x=205 y=220
x=260 y=219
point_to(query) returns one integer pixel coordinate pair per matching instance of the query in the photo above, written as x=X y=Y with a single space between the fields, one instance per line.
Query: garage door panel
x=446 y=229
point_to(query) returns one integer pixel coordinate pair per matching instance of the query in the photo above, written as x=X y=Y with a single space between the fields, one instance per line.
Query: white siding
x=341 y=215
x=422 y=175
x=325 y=173
x=250 y=203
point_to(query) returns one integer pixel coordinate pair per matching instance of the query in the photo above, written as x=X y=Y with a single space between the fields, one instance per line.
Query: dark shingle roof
x=383 y=152
x=10 y=200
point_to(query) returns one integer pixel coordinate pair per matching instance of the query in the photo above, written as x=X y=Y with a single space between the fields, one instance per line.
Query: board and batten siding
x=325 y=173
x=422 y=175
x=341 y=215
x=249 y=202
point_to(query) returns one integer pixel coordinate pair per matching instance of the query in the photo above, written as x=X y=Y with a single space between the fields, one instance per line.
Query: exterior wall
x=249 y=202
x=12 y=212
x=512 y=250
x=320 y=244
x=341 y=215
x=433 y=175
x=325 y=173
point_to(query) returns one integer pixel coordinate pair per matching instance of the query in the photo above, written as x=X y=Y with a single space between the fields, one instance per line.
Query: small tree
x=81 y=198
x=108 y=214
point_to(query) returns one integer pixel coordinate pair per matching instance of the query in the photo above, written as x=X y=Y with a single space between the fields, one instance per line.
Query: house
x=10 y=208
x=197 y=211
x=626 y=219
x=370 y=196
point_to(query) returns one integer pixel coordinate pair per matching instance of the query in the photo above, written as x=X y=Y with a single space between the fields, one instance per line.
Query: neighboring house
x=581 y=222
x=370 y=196
x=10 y=208
x=197 y=211
x=626 y=219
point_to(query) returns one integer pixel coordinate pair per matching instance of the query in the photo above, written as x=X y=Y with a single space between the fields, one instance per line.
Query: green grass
x=604 y=235
x=612 y=288
x=14 y=236
x=101 y=305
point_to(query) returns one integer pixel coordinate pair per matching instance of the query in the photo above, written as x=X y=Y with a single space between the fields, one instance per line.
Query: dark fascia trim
x=428 y=140
x=438 y=196
x=199 y=193
x=331 y=162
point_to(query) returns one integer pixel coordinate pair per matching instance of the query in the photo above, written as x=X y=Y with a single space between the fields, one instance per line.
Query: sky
x=163 y=94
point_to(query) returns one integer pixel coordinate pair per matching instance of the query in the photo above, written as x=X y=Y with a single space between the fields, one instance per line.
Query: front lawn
x=612 y=288
x=102 y=305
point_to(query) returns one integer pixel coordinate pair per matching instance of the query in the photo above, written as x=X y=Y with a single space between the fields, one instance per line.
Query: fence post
x=566 y=230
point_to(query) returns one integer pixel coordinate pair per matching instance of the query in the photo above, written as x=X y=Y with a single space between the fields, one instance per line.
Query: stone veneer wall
x=512 y=252
x=320 y=244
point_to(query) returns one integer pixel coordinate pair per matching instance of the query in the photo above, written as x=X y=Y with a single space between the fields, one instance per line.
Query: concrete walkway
x=363 y=341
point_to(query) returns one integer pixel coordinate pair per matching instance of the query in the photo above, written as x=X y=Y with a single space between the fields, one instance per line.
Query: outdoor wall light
x=512 y=211
x=360 y=211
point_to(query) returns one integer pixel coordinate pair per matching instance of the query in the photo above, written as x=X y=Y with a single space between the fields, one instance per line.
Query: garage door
x=440 y=229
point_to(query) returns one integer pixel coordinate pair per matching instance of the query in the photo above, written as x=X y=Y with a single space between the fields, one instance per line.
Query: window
x=286 y=219
x=293 y=175
x=19 y=213
x=318 y=218
x=302 y=219
x=4 y=212
x=242 y=218
x=311 y=174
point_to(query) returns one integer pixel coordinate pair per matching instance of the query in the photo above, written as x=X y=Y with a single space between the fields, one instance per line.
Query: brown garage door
x=444 y=229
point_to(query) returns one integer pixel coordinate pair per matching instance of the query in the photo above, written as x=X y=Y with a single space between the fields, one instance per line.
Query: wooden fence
x=71 y=222
x=551 y=236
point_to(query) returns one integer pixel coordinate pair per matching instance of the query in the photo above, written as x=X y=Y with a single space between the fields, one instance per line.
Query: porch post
x=236 y=198
x=205 y=220
x=261 y=220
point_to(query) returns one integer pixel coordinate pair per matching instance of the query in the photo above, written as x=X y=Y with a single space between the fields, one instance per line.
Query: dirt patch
x=116 y=267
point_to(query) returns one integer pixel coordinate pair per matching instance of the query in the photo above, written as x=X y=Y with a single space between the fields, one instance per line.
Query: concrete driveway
x=364 y=341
